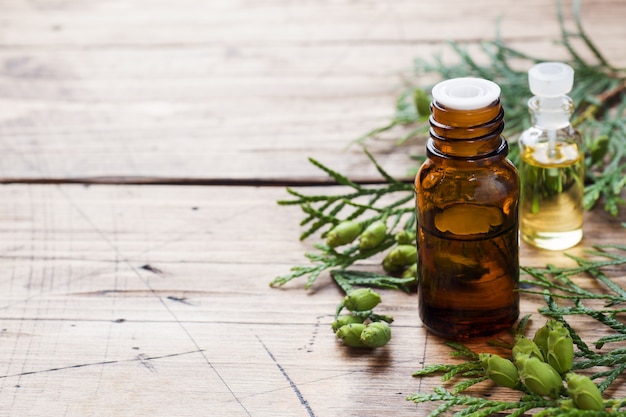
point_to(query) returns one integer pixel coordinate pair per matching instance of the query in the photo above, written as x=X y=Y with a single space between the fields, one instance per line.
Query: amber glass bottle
x=467 y=195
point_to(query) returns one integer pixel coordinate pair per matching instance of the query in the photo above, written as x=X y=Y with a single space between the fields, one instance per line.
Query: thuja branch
x=475 y=406
x=554 y=278
x=556 y=284
x=389 y=203
x=328 y=258
x=599 y=95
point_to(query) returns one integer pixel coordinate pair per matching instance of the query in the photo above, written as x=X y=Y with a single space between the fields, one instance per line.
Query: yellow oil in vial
x=551 y=199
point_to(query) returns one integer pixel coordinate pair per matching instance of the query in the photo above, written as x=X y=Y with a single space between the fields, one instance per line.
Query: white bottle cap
x=551 y=79
x=466 y=93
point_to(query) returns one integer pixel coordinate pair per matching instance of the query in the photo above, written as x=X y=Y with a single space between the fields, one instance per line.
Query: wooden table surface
x=144 y=144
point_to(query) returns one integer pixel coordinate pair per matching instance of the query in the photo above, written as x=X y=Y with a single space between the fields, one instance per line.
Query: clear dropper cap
x=551 y=79
x=550 y=82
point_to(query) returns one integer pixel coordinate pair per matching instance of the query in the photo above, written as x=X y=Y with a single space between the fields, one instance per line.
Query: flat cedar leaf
x=380 y=169
x=368 y=279
x=590 y=197
x=463 y=385
x=611 y=376
x=432 y=369
x=609 y=339
x=341 y=179
x=461 y=350
x=574 y=412
x=461 y=369
x=521 y=326
x=612 y=285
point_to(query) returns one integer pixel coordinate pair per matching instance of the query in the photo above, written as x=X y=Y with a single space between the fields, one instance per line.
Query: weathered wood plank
x=154 y=301
x=103 y=23
x=203 y=91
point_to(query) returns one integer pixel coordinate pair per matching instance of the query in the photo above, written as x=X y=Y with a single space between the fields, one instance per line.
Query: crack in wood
x=292 y=384
x=229 y=182
x=182 y=300
x=309 y=346
x=142 y=358
x=181 y=294
x=146 y=362
x=151 y=268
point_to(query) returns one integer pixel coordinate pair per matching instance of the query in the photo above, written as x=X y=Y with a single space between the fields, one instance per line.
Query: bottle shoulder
x=433 y=173
x=466 y=166
x=537 y=134
x=543 y=147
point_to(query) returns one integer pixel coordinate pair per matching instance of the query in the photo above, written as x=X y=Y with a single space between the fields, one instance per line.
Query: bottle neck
x=550 y=113
x=467 y=134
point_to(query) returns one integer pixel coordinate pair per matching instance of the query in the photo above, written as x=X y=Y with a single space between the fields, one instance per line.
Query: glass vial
x=551 y=162
x=467 y=195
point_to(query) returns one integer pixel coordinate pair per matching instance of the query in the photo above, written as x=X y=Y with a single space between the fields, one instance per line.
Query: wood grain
x=154 y=300
x=207 y=92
